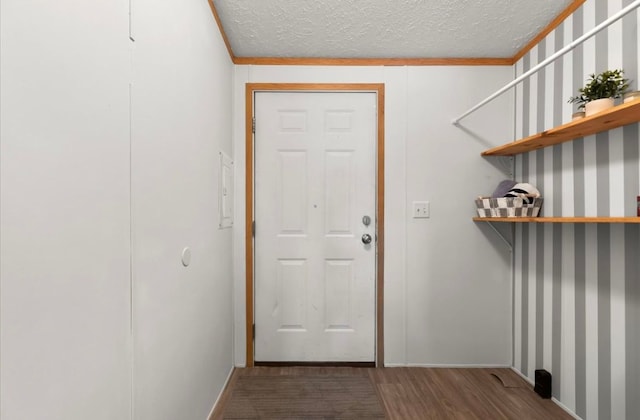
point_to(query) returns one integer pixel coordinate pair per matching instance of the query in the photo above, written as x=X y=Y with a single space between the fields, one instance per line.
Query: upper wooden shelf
x=606 y=120
x=559 y=219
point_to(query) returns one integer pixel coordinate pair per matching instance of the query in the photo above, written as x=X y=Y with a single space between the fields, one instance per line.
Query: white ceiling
x=384 y=28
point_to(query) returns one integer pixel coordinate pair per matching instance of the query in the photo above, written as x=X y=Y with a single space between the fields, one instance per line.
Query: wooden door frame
x=251 y=89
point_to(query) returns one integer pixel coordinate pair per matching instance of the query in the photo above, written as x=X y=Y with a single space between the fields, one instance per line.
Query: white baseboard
x=522 y=376
x=565 y=408
x=435 y=365
x=556 y=402
x=224 y=388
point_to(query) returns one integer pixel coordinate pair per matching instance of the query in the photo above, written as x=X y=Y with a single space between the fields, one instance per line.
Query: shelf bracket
x=501 y=235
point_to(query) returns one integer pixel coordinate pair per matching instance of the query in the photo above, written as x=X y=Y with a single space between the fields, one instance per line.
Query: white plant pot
x=598 y=105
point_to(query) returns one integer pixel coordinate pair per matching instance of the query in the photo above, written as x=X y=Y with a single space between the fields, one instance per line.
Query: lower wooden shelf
x=559 y=219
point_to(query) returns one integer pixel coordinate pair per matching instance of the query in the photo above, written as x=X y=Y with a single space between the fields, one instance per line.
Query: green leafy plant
x=608 y=84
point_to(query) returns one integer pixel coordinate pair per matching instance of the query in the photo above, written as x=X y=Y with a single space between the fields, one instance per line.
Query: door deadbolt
x=366 y=220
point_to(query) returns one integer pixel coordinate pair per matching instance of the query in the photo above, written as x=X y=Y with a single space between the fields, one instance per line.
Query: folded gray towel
x=503 y=188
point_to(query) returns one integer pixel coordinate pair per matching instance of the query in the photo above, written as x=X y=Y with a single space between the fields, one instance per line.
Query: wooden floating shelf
x=606 y=120
x=559 y=219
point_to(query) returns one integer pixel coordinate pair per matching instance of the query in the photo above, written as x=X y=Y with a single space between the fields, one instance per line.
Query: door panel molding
x=251 y=89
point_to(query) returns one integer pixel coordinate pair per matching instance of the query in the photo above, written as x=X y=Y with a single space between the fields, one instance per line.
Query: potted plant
x=600 y=91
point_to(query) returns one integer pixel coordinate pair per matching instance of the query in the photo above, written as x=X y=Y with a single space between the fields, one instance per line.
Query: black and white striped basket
x=508 y=206
x=484 y=206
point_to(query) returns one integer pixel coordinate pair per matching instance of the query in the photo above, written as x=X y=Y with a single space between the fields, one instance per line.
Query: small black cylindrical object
x=543 y=383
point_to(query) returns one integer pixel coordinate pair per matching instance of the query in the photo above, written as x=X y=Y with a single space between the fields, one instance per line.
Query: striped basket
x=508 y=207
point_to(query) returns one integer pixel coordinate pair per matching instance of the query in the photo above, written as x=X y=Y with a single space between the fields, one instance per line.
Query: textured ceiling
x=384 y=28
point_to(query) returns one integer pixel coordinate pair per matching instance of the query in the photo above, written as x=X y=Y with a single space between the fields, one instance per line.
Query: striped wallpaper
x=577 y=286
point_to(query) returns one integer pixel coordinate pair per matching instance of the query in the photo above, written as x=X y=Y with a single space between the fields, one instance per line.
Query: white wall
x=182 y=317
x=447 y=280
x=97 y=203
x=64 y=278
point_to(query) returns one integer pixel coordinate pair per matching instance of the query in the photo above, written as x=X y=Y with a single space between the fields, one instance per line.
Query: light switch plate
x=421 y=210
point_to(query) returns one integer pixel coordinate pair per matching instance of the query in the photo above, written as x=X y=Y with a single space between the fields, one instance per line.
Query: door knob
x=366 y=239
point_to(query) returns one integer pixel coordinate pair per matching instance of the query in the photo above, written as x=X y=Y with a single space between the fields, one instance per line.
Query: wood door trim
x=250 y=90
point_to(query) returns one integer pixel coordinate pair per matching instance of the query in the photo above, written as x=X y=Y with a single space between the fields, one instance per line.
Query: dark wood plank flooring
x=433 y=393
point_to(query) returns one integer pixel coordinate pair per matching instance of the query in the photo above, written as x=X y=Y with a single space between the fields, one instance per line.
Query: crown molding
x=547 y=30
x=306 y=61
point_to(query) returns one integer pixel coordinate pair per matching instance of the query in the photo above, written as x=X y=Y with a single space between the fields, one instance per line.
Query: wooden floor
x=433 y=393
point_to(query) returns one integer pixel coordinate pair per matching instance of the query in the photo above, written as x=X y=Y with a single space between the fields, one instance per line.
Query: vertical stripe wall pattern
x=577 y=286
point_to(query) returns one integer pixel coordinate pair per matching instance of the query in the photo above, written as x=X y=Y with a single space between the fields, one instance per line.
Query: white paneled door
x=315 y=187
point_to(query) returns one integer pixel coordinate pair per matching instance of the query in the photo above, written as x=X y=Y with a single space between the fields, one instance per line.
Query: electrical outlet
x=420 y=209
